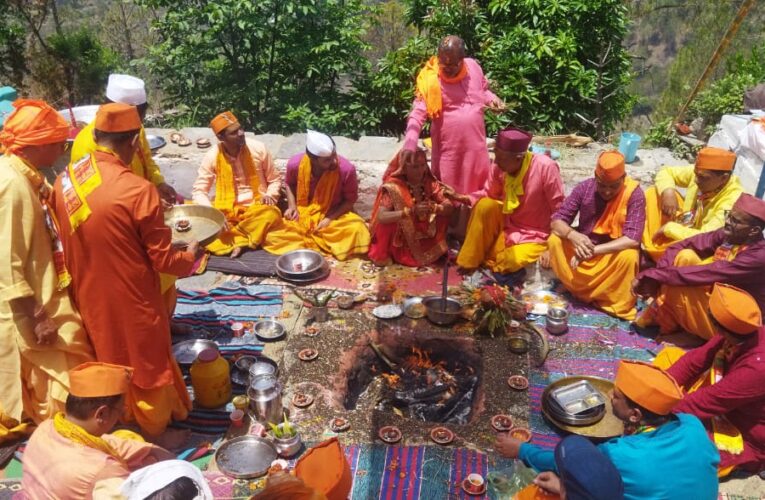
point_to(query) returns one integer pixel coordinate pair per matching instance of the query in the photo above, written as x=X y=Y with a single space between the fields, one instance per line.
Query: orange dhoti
x=152 y=409
x=343 y=237
x=604 y=280
x=685 y=307
x=248 y=227
x=655 y=219
x=485 y=242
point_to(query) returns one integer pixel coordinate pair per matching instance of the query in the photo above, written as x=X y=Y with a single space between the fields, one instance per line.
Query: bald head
x=452 y=44
x=451 y=52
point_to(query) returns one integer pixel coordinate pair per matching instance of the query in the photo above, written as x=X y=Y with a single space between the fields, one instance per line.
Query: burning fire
x=391 y=378
x=420 y=359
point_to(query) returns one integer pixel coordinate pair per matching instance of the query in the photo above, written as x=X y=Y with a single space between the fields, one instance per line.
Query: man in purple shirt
x=598 y=260
x=322 y=188
x=683 y=277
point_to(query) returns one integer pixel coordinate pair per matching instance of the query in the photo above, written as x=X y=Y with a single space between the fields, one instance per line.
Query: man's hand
x=267 y=200
x=549 y=482
x=194 y=248
x=644 y=288
x=422 y=210
x=669 y=204
x=574 y=262
x=406 y=156
x=45 y=329
x=167 y=195
x=322 y=224
x=544 y=259
x=507 y=446
x=659 y=233
x=583 y=247
x=291 y=213
x=497 y=105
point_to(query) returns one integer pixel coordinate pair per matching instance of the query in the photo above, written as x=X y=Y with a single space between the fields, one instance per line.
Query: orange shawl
x=429 y=87
x=613 y=218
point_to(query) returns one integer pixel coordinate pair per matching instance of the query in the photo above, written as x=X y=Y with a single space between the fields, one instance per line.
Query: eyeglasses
x=732 y=220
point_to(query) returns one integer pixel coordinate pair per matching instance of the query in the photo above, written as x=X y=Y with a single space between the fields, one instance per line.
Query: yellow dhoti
x=343 y=237
x=654 y=219
x=604 y=280
x=485 y=242
x=248 y=227
x=685 y=307
x=153 y=409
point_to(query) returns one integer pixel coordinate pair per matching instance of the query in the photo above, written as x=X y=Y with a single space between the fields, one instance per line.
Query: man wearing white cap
x=322 y=188
x=126 y=89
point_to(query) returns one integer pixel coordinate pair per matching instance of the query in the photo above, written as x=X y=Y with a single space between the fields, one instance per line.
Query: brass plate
x=206 y=223
x=609 y=426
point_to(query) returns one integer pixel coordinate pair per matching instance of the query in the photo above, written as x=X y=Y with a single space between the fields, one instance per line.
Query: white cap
x=319 y=144
x=147 y=480
x=126 y=89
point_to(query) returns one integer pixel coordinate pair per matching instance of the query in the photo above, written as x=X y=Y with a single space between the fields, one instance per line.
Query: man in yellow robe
x=41 y=335
x=247 y=186
x=69 y=455
x=598 y=260
x=711 y=189
x=322 y=188
x=126 y=89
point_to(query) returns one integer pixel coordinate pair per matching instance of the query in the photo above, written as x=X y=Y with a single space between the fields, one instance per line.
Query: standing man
x=598 y=260
x=126 y=89
x=509 y=224
x=711 y=189
x=322 y=188
x=247 y=186
x=41 y=335
x=116 y=241
x=682 y=280
x=453 y=93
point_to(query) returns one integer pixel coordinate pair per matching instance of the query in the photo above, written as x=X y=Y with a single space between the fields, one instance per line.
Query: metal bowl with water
x=439 y=314
x=299 y=263
x=269 y=330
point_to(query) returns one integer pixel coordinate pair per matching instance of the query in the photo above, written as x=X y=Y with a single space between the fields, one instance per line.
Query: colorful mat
x=227 y=303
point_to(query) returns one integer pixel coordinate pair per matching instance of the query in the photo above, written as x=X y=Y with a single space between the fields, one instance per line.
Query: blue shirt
x=675 y=461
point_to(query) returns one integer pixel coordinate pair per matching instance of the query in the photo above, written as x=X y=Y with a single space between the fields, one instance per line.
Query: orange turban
x=223 y=120
x=735 y=309
x=610 y=166
x=325 y=469
x=97 y=380
x=649 y=386
x=32 y=123
x=116 y=117
x=710 y=158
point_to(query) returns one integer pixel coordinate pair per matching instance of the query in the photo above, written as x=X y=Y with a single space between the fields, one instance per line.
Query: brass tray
x=608 y=427
x=206 y=223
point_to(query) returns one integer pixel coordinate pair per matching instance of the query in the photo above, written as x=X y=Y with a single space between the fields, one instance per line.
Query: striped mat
x=227 y=303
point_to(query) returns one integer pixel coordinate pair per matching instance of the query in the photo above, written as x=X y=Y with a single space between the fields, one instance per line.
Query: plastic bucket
x=628 y=146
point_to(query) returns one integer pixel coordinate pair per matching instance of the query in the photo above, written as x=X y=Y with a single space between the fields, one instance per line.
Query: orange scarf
x=225 y=184
x=429 y=87
x=615 y=214
x=311 y=214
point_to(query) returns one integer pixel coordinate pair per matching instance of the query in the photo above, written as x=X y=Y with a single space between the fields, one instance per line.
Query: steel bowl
x=442 y=316
x=413 y=308
x=206 y=223
x=155 y=142
x=263 y=365
x=186 y=352
x=299 y=263
x=269 y=330
x=556 y=321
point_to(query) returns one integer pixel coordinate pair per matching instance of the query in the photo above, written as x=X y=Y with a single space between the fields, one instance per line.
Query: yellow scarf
x=225 y=184
x=78 y=181
x=49 y=215
x=615 y=214
x=77 y=434
x=428 y=86
x=514 y=186
x=311 y=214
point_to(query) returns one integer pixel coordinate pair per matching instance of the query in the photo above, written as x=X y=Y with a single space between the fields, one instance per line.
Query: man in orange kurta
x=116 y=243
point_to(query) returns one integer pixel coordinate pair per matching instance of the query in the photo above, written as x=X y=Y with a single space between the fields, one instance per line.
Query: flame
x=420 y=359
x=391 y=378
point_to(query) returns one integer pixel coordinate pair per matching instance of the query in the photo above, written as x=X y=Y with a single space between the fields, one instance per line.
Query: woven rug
x=249 y=263
x=229 y=302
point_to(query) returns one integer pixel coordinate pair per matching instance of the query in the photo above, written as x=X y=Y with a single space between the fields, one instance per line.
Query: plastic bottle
x=210 y=379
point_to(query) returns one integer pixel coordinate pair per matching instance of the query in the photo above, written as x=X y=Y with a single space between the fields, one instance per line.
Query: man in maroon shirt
x=684 y=276
x=724 y=378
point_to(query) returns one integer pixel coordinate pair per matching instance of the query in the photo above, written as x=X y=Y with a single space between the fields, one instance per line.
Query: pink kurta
x=460 y=158
x=542 y=195
x=55 y=467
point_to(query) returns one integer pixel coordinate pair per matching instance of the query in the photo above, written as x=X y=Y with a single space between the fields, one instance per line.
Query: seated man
x=711 y=189
x=322 y=188
x=683 y=278
x=654 y=440
x=724 y=378
x=68 y=455
x=410 y=215
x=508 y=226
x=247 y=186
x=597 y=261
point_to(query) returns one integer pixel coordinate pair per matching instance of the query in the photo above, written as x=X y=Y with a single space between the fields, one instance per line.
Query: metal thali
x=204 y=223
x=245 y=457
x=155 y=142
x=186 y=352
x=541 y=300
x=607 y=427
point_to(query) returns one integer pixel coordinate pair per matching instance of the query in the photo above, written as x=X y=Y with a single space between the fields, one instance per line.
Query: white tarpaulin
x=746 y=138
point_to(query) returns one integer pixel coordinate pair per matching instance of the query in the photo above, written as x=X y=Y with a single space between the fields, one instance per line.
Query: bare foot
x=171 y=439
x=236 y=252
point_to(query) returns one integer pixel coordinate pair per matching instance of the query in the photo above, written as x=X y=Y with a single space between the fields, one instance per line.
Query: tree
x=280 y=65
x=12 y=46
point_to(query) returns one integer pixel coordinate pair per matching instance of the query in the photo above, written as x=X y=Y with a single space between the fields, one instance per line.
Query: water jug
x=628 y=146
x=211 y=379
x=265 y=393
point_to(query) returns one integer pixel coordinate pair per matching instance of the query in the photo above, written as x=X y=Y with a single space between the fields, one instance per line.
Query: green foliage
x=12 y=47
x=541 y=56
x=280 y=65
x=284 y=430
x=663 y=135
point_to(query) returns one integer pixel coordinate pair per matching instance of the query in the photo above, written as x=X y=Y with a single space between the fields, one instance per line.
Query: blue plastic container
x=628 y=146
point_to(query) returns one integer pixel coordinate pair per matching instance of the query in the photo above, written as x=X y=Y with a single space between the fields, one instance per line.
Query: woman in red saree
x=410 y=215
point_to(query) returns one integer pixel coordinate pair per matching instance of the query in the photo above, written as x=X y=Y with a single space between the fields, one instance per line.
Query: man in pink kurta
x=510 y=221
x=453 y=93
